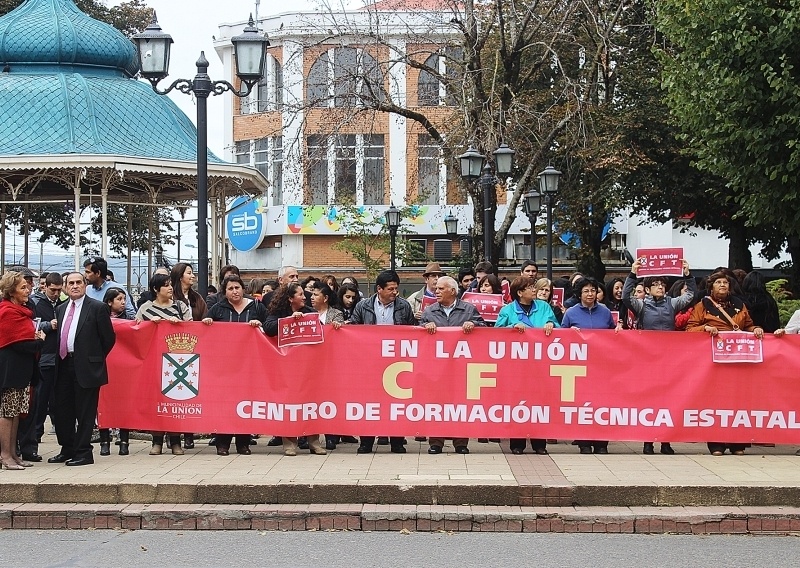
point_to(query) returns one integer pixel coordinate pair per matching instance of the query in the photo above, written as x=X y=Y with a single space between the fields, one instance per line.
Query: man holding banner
x=449 y=311
x=384 y=307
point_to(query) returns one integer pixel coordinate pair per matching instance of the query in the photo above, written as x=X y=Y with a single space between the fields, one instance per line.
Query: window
x=428 y=170
x=267 y=95
x=242 y=151
x=345 y=176
x=317 y=148
x=373 y=169
x=347 y=168
x=267 y=157
x=344 y=77
x=430 y=90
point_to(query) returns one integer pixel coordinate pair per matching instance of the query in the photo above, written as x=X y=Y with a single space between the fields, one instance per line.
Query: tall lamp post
x=548 y=186
x=393 y=222
x=531 y=206
x=250 y=51
x=474 y=166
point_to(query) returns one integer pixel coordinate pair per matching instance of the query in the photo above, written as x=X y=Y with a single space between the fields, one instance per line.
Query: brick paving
x=488 y=490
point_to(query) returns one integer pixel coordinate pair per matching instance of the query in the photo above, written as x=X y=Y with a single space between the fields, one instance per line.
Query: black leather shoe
x=330 y=445
x=302 y=443
x=383 y=440
x=666 y=449
x=364 y=450
x=348 y=440
x=188 y=441
x=541 y=451
x=37 y=458
x=398 y=449
x=601 y=450
x=80 y=461
x=275 y=441
x=586 y=449
x=105 y=448
x=59 y=458
x=212 y=441
x=462 y=450
x=435 y=450
x=123 y=449
x=648 y=449
x=517 y=451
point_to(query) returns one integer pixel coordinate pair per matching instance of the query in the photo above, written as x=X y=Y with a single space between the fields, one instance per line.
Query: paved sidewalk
x=489 y=475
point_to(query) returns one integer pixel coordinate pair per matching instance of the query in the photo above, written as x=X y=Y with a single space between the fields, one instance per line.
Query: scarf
x=15 y=323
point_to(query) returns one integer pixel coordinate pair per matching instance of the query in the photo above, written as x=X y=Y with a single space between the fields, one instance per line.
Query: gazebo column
x=77 y=224
x=104 y=217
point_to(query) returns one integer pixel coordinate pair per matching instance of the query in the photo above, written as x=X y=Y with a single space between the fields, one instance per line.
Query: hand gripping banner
x=393 y=380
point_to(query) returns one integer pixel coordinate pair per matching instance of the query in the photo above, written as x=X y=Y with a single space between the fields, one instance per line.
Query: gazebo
x=75 y=124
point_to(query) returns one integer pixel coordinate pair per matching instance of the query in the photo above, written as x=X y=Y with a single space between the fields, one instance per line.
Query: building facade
x=306 y=129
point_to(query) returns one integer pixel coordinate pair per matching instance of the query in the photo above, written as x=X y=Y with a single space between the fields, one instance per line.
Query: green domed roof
x=57 y=32
x=67 y=88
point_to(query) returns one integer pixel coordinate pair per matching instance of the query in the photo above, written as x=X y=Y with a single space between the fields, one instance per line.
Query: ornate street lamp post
x=531 y=206
x=548 y=186
x=250 y=51
x=393 y=222
x=474 y=166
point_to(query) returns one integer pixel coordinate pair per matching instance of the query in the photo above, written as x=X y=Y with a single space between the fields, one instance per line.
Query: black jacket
x=223 y=311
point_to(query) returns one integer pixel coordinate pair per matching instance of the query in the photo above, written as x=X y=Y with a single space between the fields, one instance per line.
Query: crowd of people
x=51 y=332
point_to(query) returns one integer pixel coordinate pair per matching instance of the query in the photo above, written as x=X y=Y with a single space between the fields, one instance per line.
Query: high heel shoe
x=123 y=449
x=12 y=466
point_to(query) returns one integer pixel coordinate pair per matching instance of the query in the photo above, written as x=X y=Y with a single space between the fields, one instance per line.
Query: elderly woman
x=291 y=302
x=235 y=307
x=20 y=343
x=722 y=311
x=526 y=311
x=163 y=307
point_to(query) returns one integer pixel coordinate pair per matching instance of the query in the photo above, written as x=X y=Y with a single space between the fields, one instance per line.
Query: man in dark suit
x=86 y=336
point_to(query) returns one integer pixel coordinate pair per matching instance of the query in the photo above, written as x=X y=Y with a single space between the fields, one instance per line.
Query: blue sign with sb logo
x=245 y=223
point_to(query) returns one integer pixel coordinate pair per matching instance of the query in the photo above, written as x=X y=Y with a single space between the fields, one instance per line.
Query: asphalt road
x=88 y=548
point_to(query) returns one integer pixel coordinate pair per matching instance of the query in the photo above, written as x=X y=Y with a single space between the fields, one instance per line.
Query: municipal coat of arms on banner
x=180 y=368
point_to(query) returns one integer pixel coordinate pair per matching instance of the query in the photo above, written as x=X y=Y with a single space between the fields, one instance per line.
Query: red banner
x=660 y=262
x=488 y=305
x=388 y=380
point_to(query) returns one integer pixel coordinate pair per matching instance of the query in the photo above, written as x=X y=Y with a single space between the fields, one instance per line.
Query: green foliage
x=786 y=304
x=730 y=73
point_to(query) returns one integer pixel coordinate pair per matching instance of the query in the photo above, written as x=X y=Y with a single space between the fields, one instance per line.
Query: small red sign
x=736 y=347
x=660 y=262
x=488 y=305
x=303 y=331
x=427 y=301
x=557 y=297
x=615 y=316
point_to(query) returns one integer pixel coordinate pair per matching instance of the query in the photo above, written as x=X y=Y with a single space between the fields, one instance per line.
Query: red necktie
x=62 y=350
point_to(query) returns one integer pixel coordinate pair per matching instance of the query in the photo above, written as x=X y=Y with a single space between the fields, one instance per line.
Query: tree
x=730 y=71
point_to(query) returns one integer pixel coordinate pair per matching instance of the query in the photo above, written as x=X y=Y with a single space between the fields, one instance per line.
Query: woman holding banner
x=235 y=307
x=290 y=301
x=722 y=311
x=526 y=311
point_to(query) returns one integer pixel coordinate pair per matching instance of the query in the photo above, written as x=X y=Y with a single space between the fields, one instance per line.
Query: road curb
x=414 y=518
